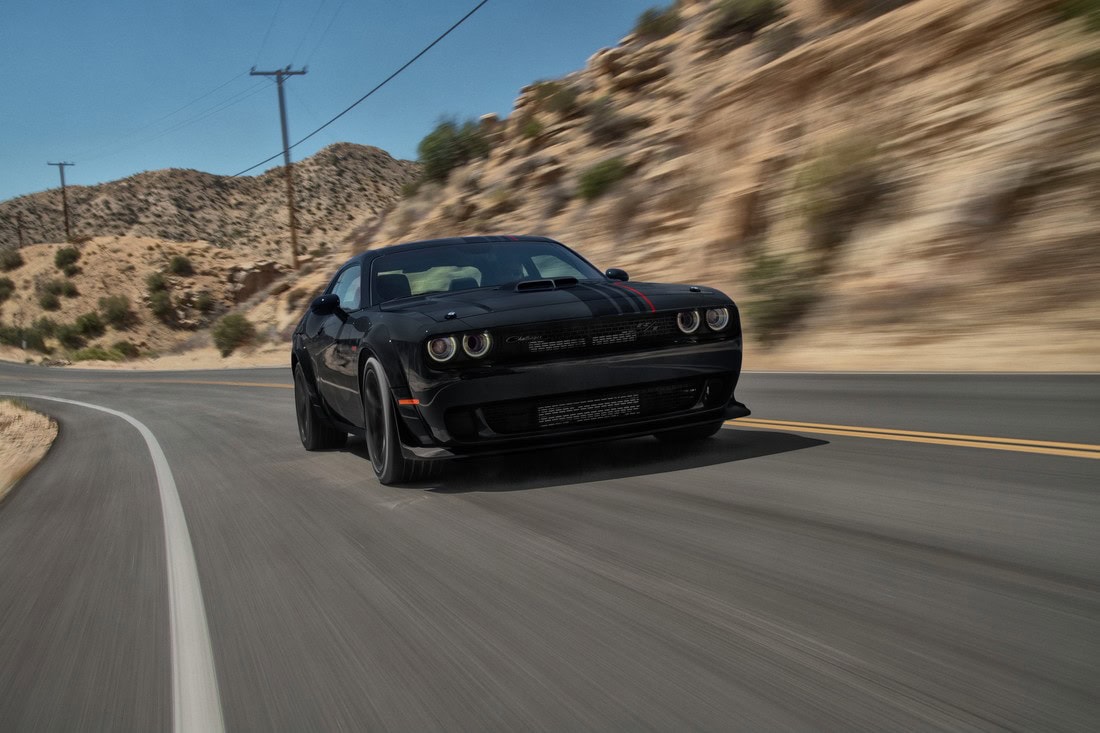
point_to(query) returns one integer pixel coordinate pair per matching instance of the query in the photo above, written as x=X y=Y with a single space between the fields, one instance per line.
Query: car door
x=335 y=363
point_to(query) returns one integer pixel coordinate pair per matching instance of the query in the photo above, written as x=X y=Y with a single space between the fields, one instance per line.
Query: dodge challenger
x=475 y=345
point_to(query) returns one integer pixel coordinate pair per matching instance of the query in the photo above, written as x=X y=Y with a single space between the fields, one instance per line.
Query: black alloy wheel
x=383 y=442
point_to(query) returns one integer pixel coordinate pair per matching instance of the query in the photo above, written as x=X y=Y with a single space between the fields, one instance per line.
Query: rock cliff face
x=338 y=189
x=907 y=183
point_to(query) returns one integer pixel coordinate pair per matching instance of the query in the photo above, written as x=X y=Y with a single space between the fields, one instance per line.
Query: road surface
x=866 y=552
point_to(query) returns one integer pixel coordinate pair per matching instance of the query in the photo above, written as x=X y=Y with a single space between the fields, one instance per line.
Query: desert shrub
x=231 y=332
x=95 y=353
x=66 y=256
x=598 y=179
x=205 y=302
x=71 y=270
x=49 y=301
x=68 y=289
x=117 y=312
x=126 y=349
x=556 y=97
x=90 y=324
x=737 y=17
x=657 y=23
x=69 y=336
x=450 y=145
x=410 y=189
x=160 y=302
x=836 y=188
x=781 y=293
x=56 y=286
x=7 y=287
x=44 y=325
x=10 y=259
x=605 y=124
x=530 y=128
x=1087 y=9
x=15 y=336
x=156 y=282
x=180 y=265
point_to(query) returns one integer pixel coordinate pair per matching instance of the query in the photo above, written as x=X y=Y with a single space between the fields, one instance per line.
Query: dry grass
x=25 y=436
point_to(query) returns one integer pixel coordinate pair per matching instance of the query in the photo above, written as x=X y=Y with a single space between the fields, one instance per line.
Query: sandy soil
x=25 y=436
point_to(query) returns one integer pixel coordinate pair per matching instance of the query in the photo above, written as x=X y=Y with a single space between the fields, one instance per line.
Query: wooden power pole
x=280 y=75
x=64 y=199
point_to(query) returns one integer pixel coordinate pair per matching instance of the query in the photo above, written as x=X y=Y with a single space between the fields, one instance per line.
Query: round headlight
x=442 y=348
x=477 y=345
x=717 y=318
x=688 y=321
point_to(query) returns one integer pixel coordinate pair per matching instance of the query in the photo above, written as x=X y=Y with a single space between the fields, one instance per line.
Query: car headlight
x=718 y=318
x=442 y=348
x=477 y=345
x=688 y=321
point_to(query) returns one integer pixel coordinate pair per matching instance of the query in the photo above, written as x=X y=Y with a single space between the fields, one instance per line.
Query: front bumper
x=500 y=409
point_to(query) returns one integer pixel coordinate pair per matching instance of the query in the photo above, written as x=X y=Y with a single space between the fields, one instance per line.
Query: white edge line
x=196 y=704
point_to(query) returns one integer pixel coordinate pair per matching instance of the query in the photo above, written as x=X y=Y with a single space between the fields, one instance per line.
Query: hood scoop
x=546 y=284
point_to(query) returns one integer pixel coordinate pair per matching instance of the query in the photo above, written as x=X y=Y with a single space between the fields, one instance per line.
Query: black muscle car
x=475 y=345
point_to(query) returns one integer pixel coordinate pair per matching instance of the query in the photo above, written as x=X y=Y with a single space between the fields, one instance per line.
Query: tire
x=383 y=441
x=689 y=435
x=314 y=429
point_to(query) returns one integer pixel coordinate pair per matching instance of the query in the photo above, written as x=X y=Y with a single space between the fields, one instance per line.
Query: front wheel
x=383 y=444
x=687 y=435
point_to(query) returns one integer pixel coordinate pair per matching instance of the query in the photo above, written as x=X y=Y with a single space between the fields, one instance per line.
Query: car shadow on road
x=607 y=461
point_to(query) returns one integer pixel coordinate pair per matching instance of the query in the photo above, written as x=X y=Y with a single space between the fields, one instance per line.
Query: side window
x=347 y=287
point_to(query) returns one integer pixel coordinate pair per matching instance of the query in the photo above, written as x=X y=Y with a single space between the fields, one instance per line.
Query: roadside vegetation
x=231 y=332
x=450 y=145
x=601 y=177
x=656 y=23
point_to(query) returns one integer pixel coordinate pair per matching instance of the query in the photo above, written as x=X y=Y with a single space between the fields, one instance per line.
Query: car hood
x=501 y=306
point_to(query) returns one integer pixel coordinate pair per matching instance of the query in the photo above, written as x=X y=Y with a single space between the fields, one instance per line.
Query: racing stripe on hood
x=609 y=303
x=648 y=304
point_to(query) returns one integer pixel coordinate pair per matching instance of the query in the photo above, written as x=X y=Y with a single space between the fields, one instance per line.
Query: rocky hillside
x=881 y=183
x=340 y=188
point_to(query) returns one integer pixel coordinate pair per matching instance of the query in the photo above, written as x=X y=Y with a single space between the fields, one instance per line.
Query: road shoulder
x=25 y=436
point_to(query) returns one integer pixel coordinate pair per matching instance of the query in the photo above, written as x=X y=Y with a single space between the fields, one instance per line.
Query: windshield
x=454 y=267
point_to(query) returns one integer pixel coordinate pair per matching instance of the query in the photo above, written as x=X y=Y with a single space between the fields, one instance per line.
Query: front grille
x=587 y=336
x=590 y=409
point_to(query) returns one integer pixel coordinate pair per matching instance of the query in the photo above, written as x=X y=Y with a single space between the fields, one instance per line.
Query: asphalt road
x=867 y=552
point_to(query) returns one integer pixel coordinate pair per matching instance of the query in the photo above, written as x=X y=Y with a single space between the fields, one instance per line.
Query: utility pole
x=64 y=198
x=279 y=75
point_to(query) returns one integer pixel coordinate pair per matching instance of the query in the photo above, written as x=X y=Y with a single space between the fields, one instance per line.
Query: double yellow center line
x=1018 y=445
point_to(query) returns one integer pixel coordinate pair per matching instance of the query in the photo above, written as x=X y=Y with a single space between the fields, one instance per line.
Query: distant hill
x=342 y=187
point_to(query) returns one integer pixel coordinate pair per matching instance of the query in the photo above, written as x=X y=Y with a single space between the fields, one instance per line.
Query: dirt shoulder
x=25 y=436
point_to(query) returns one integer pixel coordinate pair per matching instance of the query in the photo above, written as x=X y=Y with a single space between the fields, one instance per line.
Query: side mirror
x=615 y=273
x=325 y=305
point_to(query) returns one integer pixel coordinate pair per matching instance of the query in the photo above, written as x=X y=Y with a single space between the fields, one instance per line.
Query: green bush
x=156 y=282
x=45 y=326
x=605 y=124
x=781 y=293
x=160 y=302
x=90 y=325
x=126 y=349
x=1087 y=9
x=556 y=97
x=10 y=259
x=657 y=23
x=66 y=256
x=450 y=145
x=117 y=311
x=7 y=287
x=71 y=270
x=205 y=302
x=49 y=301
x=598 y=180
x=737 y=17
x=69 y=336
x=180 y=265
x=14 y=336
x=836 y=188
x=232 y=332
x=95 y=353
x=68 y=289
x=59 y=287
x=530 y=128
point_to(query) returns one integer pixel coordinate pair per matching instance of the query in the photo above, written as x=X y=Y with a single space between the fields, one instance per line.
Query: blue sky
x=123 y=86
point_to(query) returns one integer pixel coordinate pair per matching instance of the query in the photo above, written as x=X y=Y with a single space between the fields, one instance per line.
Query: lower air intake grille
x=522 y=416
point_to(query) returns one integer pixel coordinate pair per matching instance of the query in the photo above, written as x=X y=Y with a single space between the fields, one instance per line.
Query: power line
x=309 y=28
x=325 y=33
x=383 y=83
x=270 y=25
